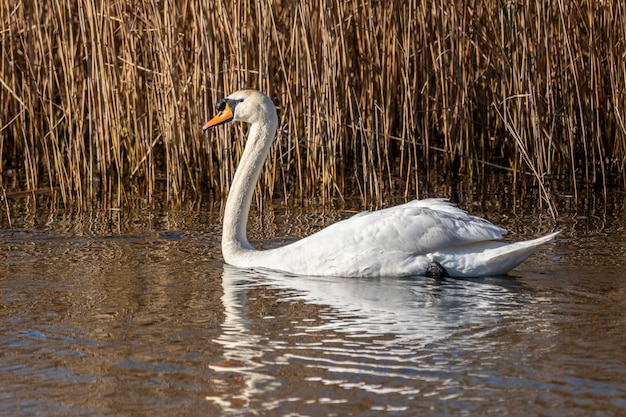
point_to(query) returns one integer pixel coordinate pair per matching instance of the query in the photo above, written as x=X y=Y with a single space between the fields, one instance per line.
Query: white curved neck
x=234 y=240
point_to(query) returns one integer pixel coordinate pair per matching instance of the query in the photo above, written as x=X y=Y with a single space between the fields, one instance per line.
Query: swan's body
x=398 y=241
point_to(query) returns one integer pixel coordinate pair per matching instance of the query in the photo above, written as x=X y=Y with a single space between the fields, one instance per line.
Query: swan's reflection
x=403 y=315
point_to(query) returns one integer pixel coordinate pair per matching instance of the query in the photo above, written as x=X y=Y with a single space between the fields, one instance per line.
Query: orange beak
x=224 y=116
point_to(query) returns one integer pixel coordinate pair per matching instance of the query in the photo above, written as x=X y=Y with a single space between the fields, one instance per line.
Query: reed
x=105 y=100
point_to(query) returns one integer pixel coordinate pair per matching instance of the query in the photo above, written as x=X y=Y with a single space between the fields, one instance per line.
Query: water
x=134 y=313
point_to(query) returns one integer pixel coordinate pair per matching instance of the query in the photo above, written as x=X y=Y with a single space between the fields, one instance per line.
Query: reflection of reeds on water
x=106 y=99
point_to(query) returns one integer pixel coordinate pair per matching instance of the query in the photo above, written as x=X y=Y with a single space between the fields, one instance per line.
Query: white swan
x=409 y=239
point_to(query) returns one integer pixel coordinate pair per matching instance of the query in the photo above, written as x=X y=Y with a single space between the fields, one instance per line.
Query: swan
x=429 y=236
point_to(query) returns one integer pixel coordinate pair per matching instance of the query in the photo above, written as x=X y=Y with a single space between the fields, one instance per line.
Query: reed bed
x=105 y=100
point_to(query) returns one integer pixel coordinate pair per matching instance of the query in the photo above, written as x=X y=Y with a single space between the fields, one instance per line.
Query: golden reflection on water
x=132 y=312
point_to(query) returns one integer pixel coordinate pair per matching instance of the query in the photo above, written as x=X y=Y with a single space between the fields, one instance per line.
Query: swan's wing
x=395 y=241
x=419 y=227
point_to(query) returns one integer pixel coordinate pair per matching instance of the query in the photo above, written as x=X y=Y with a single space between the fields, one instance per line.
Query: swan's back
x=399 y=241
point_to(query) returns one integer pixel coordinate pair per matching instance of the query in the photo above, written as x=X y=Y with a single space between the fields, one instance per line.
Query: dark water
x=134 y=313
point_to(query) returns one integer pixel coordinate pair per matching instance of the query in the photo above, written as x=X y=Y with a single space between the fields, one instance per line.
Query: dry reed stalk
x=105 y=100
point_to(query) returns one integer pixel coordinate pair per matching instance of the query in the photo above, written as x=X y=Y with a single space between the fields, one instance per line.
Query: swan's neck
x=234 y=240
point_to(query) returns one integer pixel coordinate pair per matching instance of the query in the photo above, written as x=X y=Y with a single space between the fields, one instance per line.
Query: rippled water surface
x=134 y=313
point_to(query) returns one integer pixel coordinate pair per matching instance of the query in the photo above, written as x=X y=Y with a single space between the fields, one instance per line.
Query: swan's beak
x=224 y=116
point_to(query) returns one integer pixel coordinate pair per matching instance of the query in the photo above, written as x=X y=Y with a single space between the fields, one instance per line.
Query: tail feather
x=513 y=254
x=489 y=258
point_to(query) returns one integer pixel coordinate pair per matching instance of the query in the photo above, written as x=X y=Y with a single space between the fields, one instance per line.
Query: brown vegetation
x=105 y=99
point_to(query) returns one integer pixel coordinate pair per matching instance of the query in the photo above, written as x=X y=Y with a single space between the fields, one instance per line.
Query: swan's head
x=250 y=106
